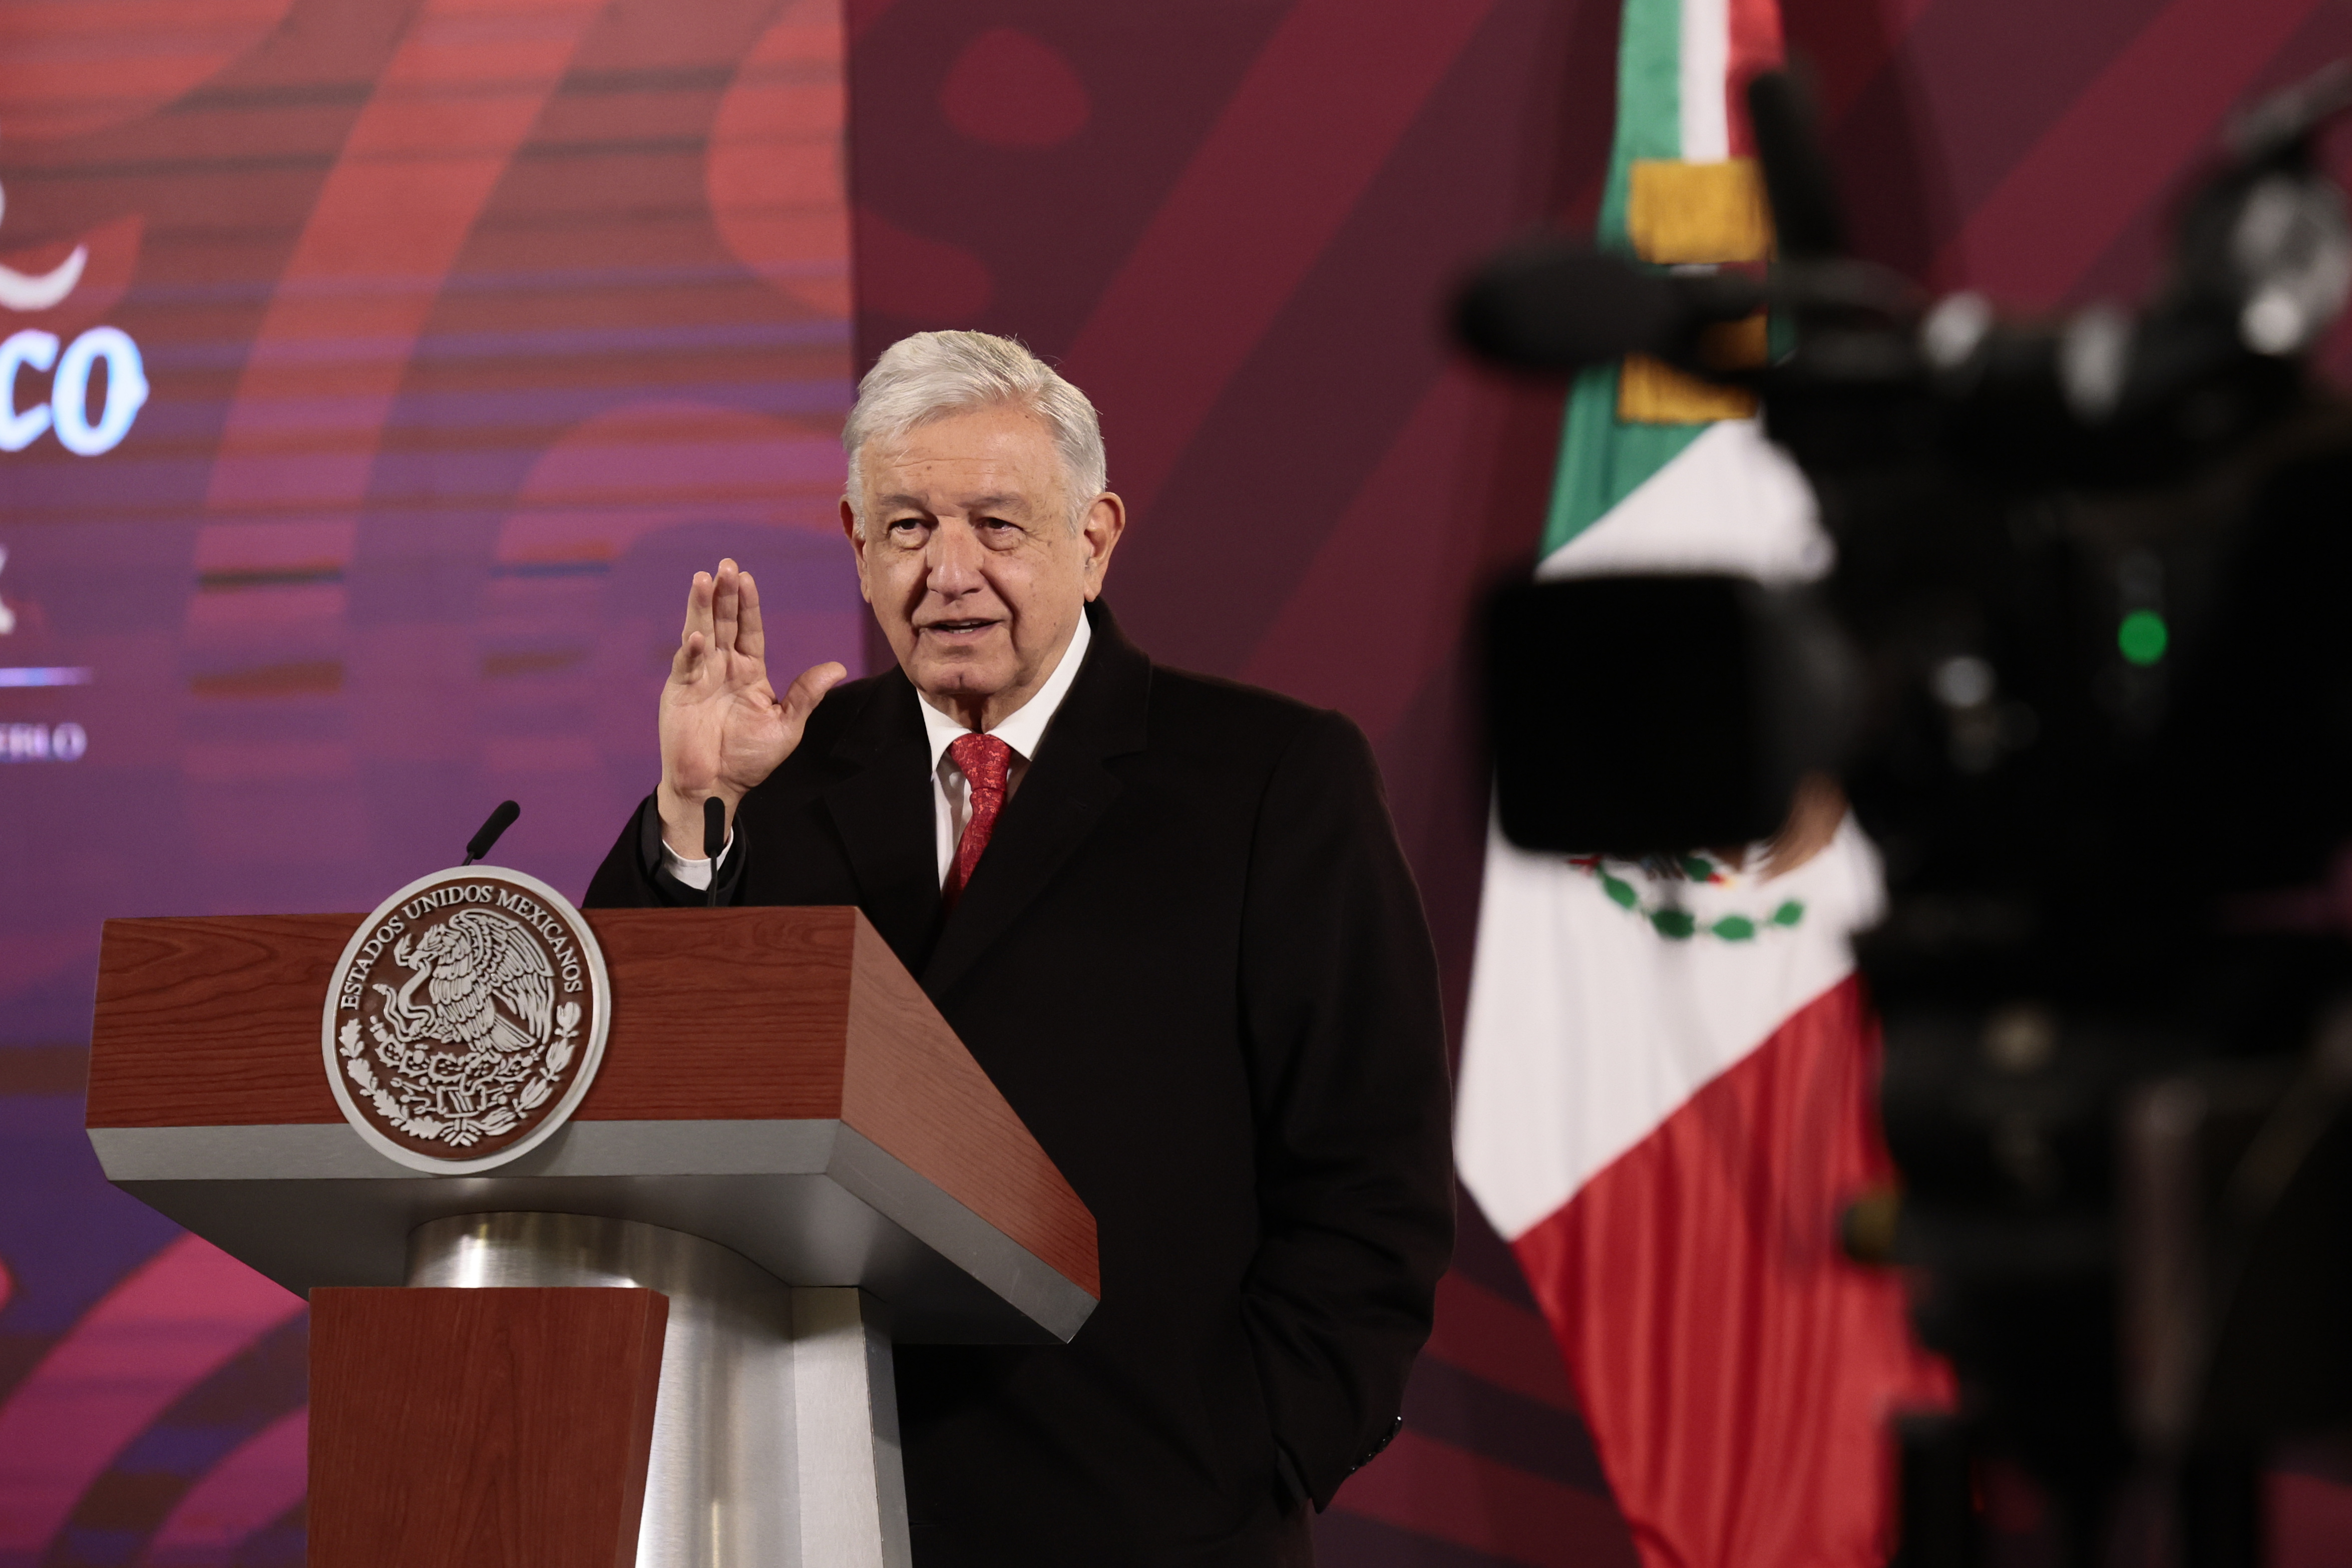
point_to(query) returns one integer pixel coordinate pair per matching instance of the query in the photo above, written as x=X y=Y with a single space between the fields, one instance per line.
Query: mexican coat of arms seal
x=466 y=1019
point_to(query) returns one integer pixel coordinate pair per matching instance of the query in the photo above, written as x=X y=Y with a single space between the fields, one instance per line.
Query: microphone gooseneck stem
x=714 y=842
x=499 y=821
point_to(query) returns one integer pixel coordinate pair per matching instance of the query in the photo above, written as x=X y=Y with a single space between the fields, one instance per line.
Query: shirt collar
x=1025 y=729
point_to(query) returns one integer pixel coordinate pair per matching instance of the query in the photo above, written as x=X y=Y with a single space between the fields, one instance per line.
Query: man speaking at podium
x=1169 y=917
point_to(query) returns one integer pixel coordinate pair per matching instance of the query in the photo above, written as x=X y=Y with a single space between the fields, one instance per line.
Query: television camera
x=2084 y=667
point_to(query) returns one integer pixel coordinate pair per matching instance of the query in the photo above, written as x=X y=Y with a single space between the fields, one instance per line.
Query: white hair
x=932 y=374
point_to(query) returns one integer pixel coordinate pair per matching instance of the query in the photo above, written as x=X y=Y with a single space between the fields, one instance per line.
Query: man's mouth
x=956 y=629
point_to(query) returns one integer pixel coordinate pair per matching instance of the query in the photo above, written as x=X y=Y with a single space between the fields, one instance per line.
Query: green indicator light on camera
x=2143 y=636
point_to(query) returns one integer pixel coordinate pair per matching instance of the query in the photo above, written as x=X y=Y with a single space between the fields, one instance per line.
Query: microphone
x=1553 y=306
x=714 y=839
x=1808 y=219
x=500 y=820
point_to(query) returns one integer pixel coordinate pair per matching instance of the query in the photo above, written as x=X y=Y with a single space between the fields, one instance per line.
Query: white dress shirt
x=1023 y=730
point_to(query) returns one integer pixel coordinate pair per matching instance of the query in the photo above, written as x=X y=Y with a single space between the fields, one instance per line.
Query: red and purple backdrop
x=467 y=329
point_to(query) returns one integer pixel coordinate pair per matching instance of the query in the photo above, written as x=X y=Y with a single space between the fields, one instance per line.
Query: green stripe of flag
x=1602 y=460
x=1649 y=105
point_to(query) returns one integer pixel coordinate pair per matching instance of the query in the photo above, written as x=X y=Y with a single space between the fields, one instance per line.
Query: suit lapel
x=884 y=814
x=1061 y=797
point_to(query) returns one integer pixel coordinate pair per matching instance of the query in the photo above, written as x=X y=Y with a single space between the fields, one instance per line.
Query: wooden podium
x=786 y=1162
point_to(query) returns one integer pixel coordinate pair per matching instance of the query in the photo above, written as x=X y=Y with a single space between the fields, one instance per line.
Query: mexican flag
x=1666 y=1091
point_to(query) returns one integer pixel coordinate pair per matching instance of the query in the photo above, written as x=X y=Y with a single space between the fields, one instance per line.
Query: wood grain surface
x=913 y=1088
x=718 y=1014
x=213 y=1020
x=723 y=1013
x=494 y=1429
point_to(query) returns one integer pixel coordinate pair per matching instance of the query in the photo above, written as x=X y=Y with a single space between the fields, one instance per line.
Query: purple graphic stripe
x=255 y=1483
x=174 y=1321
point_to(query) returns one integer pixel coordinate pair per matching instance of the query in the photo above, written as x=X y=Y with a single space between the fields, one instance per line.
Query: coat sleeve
x=632 y=876
x=1346 y=1039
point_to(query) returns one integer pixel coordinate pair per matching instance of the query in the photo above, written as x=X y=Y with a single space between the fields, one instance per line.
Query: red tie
x=985 y=761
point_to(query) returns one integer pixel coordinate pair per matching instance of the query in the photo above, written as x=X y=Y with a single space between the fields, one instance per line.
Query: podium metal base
x=775 y=1439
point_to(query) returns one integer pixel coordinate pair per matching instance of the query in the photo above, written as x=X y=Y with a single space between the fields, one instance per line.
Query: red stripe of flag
x=1756 y=48
x=1736 y=1371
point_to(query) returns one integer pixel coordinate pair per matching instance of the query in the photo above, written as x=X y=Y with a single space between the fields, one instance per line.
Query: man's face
x=969 y=559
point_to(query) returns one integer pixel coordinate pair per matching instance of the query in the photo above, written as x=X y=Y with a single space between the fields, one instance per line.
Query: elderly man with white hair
x=1166 y=914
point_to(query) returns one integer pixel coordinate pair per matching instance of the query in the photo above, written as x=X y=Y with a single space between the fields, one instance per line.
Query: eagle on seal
x=468 y=964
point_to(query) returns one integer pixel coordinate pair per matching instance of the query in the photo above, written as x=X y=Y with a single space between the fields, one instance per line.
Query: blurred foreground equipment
x=2080 y=667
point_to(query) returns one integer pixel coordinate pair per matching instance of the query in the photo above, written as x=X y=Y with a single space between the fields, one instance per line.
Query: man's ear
x=856 y=547
x=1104 y=521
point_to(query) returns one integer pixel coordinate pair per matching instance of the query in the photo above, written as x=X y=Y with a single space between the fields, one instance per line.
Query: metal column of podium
x=663 y=1336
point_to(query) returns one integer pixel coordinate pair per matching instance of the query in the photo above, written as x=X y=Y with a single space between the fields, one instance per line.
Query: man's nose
x=953 y=563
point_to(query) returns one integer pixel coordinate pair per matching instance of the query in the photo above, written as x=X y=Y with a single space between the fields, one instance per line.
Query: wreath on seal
x=485 y=1047
x=1665 y=913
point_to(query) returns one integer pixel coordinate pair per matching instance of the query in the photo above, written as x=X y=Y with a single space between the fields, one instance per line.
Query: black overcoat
x=1194 y=961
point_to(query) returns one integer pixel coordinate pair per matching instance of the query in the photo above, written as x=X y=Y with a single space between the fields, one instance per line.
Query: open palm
x=723 y=728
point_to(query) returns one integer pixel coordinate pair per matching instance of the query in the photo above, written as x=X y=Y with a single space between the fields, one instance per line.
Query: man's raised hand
x=723 y=729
